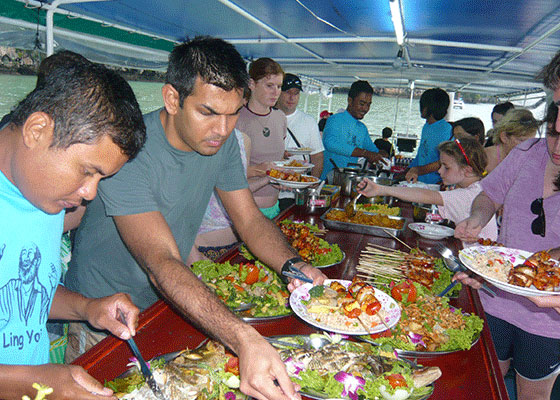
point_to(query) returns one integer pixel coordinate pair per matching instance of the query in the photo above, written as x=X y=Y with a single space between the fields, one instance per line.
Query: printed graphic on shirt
x=24 y=301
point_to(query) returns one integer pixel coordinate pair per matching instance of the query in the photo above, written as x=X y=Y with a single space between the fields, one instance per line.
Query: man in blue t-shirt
x=345 y=137
x=433 y=108
x=80 y=124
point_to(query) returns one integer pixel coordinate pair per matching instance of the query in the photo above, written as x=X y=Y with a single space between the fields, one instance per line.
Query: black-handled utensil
x=294 y=272
x=152 y=384
x=333 y=163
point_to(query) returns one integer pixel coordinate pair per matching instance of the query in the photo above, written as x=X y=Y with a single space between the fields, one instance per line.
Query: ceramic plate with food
x=303 y=182
x=326 y=367
x=329 y=311
x=294 y=165
x=513 y=270
x=246 y=283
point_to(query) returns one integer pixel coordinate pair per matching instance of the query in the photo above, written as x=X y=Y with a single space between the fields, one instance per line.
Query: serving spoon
x=350 y=208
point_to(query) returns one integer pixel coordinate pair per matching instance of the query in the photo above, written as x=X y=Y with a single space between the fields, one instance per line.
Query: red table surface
x=472 y=374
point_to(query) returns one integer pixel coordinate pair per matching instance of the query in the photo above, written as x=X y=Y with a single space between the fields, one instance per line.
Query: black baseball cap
x=291 y=81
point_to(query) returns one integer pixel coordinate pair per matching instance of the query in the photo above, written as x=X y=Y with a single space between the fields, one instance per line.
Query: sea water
x=397 y=113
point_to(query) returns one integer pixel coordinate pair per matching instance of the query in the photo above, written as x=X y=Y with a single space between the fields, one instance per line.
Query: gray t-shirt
x=161 y=178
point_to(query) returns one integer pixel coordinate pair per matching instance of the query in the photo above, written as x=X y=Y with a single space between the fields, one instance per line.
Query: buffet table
x=472 y=374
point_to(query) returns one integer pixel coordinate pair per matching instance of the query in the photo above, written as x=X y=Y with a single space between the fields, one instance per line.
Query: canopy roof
x=488 y=47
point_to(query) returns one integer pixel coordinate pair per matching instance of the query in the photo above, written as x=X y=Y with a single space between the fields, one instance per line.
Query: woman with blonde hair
x=266 y=127
x=515 y=127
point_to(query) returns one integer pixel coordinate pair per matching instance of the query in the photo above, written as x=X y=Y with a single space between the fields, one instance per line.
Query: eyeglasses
x=538 y=226
x=463 y=151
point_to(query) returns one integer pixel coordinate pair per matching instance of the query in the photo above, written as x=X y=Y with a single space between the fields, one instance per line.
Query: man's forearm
x=199 y=304
x=68 y=305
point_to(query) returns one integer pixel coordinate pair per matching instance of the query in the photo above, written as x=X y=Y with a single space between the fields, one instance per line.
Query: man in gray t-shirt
x=136 y=236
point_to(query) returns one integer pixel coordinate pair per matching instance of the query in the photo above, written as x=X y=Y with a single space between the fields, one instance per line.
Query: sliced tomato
x=396 y=380
x=406 y=287
x=239 y=288
x=372 y=307
x=252 y=273
x=232 y=365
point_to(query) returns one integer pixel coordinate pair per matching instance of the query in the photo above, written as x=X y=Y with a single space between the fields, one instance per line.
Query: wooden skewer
x=396 y=238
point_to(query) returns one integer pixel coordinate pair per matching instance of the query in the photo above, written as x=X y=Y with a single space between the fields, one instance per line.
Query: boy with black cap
x=302 y=131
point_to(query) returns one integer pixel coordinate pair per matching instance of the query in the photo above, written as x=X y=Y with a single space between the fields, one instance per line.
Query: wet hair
x=213 y=60
x=550 y=74
x=551 y=116
x=64 y=57
x=473 y=150
x=264 y=67
x=473 y=126
x=502 y=108
x=517 y=122
x=436 y=102
x=86 y=102
x=359 y=87
x=387 y=132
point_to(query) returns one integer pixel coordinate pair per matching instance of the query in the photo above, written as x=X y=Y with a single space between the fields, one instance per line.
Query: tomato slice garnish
x=232 y=365
x=405 y=287
x=396 y=380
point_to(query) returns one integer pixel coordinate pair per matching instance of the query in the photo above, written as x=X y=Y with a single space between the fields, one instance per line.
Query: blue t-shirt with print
x=343 y=133
x=29 y=276
x=432 y=136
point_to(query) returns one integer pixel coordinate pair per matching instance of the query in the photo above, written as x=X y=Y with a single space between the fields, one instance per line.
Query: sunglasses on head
x=538 y=226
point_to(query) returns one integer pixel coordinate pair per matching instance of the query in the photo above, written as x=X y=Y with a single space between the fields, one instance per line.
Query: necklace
x=266 y=129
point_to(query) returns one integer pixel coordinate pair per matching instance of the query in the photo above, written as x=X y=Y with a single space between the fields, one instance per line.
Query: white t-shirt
x=457 y=207
x=305 y=129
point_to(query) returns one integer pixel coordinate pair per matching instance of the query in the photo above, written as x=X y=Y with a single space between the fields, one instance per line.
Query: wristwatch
x=286 y=267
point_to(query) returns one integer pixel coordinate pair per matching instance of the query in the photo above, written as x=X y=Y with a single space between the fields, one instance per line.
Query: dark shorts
x=213 y=253
x=533 y=357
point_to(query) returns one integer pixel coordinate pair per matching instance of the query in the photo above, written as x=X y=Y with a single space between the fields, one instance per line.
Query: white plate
x=431 y=231
x=467 y=256
x=421 y=185
x=283 y=165
x=297 y=150
x=295 y=185
x=388 y=305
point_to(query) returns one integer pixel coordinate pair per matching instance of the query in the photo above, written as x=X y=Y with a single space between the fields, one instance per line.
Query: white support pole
x=410 y=106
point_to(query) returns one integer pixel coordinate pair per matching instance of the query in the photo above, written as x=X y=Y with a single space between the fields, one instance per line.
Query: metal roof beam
x=268 y=28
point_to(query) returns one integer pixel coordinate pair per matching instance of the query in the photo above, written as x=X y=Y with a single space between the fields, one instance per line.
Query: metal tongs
x=152 y=384
x=294 y=272
x=454 y=264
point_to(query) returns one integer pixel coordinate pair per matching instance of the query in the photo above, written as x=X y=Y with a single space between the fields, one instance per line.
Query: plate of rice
x=494 y=264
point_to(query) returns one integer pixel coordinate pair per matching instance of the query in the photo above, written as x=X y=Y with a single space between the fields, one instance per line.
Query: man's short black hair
x=86 y=102
x=214 y=60
x=550 y=74
x=359 y=87
x=436 y=103
x=387 y=132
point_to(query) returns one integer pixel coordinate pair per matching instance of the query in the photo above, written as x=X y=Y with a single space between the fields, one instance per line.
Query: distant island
x=26 y=62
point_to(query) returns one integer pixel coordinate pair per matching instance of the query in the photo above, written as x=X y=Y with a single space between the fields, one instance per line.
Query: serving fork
x=454 y=264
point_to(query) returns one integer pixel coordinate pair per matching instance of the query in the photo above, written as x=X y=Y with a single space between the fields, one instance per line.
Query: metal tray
x=363 y=229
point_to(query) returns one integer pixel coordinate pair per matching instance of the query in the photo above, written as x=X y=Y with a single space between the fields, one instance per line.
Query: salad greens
x=245 y=283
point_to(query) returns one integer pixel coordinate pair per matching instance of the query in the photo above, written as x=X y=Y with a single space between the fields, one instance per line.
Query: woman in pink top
x=266 y=127
x=526 y=183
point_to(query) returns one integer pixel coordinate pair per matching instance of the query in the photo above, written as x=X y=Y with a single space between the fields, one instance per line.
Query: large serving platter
x=389 y=307
x=363 y=229
x=316 y=342
x=419 y=354
x=294 y=184
x=516 y=256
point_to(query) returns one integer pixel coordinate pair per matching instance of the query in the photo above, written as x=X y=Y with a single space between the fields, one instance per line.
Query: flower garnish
x=351 y=384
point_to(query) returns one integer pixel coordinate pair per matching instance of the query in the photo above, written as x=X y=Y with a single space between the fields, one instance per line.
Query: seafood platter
x=248 y=283
x=346 y=307
x=327 y=367
x=208 y=372
x=514 y=271
x=311 y=248
x=364 y=223
x=429 y=325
